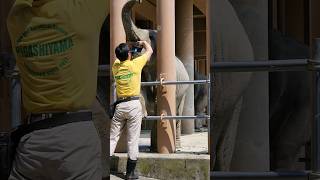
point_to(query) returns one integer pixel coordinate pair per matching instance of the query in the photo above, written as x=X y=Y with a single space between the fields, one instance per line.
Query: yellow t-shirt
x=56 y=45
x=127 y=75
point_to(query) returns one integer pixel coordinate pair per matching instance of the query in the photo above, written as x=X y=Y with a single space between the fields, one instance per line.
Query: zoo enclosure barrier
x=251 y=66
x=312 y=65
x=103 y=69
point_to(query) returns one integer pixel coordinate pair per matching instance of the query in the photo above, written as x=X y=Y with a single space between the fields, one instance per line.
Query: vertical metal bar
x=210 y=62
x=15 y=102
x=315 y=142
x=209 y=105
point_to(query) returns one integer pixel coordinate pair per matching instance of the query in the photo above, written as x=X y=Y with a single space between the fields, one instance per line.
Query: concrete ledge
x=219 y=175
x=166 y=166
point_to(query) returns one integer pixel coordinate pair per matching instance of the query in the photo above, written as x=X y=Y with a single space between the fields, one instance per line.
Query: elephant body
x=288 y=99
x=289 y=104
x=230 y=43
x=200 y=100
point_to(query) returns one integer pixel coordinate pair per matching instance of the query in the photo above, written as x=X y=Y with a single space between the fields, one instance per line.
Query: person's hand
x=147 y=47
x=142 y=43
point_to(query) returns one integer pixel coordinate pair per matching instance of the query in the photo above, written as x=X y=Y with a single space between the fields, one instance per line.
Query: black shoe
x=131 y=166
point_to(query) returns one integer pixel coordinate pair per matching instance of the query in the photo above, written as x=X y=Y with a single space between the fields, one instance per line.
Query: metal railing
x=281 y=65
x=157 y=83
x=154 y=118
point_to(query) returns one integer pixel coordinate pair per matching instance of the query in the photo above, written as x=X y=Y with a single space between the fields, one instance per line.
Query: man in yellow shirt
x=56 y=45
x=127 y=74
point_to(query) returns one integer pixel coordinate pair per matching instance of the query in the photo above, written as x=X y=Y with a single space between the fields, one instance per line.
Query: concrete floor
x=196 y=143
x=191 y=145
x=121 y=176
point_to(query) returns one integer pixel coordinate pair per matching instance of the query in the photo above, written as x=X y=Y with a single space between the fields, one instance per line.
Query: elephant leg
x=219 y=124
x=199 y=123
x=178 y=122
x=292 y=139
x=226 y=148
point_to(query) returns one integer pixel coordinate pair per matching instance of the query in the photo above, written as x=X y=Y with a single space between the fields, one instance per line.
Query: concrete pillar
x=165 y=65
x=185 y=51
x=117 y=36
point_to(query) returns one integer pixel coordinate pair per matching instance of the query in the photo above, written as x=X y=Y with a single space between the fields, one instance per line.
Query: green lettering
x=47 y=49
x=35 y=50
x=56 y=48
x=29 y=51
x=41 y=50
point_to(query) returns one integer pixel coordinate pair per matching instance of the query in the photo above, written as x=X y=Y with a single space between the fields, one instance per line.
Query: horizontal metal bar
x=271 y=65
x=235 y=175
x=104 y=68
x=242 y=66
x=155 y=83
x=153 y=118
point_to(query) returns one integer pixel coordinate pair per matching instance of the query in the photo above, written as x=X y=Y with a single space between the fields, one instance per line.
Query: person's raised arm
x=148 y=49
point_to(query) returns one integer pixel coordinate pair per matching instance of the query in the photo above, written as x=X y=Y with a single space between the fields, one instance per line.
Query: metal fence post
x=15 y=102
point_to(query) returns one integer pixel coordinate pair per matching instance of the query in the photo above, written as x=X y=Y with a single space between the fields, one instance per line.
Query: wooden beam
x=201 y=5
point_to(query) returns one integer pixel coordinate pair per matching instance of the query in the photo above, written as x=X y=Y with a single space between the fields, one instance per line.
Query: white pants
x=129 y=115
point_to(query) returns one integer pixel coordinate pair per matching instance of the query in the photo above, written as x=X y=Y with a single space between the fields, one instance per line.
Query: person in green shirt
x=128 y=113
x=56 y=45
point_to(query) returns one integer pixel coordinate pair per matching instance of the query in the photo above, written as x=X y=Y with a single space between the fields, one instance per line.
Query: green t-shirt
x=56 y=44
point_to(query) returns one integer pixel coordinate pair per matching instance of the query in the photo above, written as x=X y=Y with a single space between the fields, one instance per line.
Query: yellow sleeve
x=140 y=62
x=100 y=8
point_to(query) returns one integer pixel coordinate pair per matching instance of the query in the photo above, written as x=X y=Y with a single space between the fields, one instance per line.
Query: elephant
x=289 y=104
x=288 y=99
x=133 y=33
x=200 y=100
x=230 y=43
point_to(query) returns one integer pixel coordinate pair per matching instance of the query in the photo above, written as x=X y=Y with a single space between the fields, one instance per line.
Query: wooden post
x=117 y=36
x=166 y=69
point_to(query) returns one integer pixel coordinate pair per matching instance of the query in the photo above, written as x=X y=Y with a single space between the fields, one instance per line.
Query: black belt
x=126 y=99
x=58 y=119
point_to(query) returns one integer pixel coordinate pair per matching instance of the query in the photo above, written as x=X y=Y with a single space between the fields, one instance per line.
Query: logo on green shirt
x=43 y=49
x=126 y=76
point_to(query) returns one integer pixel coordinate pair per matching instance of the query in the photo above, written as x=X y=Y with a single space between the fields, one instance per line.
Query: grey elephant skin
x=230 y=43
x=288 y=99
x=290 y=117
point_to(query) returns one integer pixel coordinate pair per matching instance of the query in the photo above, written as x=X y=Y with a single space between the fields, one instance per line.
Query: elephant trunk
x=130 y=28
